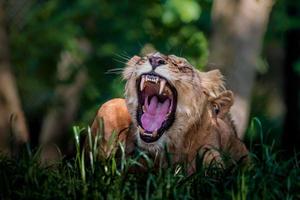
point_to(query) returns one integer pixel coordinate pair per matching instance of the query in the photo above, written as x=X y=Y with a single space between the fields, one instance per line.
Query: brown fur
x=116 y=120
x=202 y=117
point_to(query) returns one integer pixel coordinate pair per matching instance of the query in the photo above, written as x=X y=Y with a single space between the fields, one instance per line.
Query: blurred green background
x=52 y=41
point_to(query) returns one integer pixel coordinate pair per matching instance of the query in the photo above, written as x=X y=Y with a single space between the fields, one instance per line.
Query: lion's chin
x=157 y=102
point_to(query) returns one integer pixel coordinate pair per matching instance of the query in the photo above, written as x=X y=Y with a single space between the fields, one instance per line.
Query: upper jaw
x=157 y=106
x=157 y=80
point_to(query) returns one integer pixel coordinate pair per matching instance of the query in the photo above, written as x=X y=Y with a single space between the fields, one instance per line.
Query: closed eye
x=162 y=62
x=141 y=61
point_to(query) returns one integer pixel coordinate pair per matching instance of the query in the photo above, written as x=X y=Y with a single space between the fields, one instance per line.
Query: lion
x=170 y=105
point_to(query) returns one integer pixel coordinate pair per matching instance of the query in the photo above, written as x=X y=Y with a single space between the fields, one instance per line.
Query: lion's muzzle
x=157 y=106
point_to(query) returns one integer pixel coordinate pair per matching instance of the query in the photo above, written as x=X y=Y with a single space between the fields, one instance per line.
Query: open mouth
x=157 y=106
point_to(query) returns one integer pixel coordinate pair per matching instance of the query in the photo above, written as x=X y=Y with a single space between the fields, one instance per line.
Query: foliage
x=267 y=177
x=115 y=31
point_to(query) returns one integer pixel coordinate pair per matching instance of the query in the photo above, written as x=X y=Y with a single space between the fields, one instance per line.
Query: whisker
x=126 y=55
x=120 y=61
x=140 y=44
x=122 y=56
x=115 y=71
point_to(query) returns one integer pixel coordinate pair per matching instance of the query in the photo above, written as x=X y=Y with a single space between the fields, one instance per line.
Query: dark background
x=63 y=59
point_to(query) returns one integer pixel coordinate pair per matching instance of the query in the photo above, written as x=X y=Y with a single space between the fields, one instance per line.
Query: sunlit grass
x=271 y=175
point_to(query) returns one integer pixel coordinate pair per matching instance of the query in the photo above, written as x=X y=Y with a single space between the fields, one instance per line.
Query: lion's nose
x=156 y=61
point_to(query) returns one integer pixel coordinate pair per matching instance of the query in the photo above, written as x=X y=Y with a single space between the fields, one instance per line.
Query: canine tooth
x=142 y=131
x=154 y=134
x=162 y=85
x=144 y=109
x=147 y=134
x=168 y=91
x=168 y=114
x=142 y=85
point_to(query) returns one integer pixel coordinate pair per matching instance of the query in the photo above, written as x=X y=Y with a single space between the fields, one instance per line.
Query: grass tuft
x=269 y=176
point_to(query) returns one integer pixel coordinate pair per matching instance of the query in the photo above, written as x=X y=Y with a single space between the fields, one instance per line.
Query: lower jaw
x=161 y=131
x=147 y=145
x=148 y=139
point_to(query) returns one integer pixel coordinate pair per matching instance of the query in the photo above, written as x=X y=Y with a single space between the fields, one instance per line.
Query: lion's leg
x=212 y=156
x=116 y=121
x=238 y=151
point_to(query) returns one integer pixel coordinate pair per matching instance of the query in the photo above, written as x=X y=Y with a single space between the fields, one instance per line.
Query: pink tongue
x=155 y=114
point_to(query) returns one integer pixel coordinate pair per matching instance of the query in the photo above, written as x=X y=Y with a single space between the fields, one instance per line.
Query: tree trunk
x=13 y=128
x=58 y=120
x=238 y=29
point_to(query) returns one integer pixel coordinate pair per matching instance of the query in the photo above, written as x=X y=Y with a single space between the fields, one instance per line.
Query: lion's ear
x=221 y=104
x=212 y=81
x=129 y=67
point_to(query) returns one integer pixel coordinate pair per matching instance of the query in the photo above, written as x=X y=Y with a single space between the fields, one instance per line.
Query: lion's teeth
x=169 y=113
x=151 y=78
x=142 y=85
x=168 y=91
x=142 y=131
x=162 y=86
x=154 y=134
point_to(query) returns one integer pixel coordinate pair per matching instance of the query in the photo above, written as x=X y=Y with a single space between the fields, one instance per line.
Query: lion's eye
x=216 y=109
x=141 y=61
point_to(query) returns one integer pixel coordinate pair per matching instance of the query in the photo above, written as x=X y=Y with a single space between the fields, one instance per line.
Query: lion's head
x=166 y=96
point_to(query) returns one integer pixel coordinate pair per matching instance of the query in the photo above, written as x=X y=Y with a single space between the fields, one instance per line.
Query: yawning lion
x=171 y=105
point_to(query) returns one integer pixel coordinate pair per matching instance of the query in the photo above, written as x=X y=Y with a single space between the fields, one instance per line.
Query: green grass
x=271 y=175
